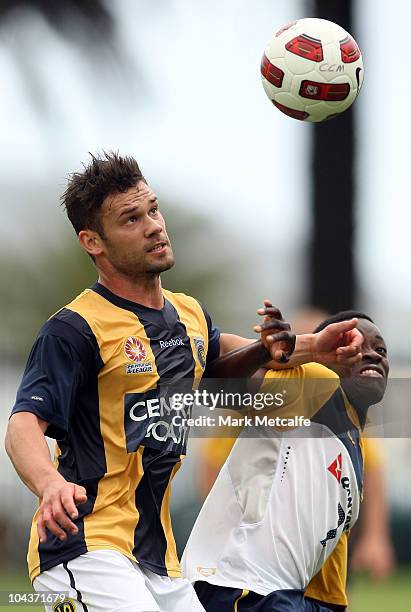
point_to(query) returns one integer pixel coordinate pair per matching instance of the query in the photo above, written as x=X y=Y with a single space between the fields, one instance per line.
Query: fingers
x=80 y=494
x=270 y=311
x=69 y=505
x=41 y=529
x=352 y=342
x=59 y=516
x=343 y=326
x=281 y=345
x=285 y=337
x=57 y=506
x=46 y=520
x=349 y=361
x=272 y=324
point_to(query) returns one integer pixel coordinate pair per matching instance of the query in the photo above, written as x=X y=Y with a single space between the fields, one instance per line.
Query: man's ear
x=91 y=242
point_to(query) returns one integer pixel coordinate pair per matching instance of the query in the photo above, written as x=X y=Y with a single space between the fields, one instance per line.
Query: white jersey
x=279 y=505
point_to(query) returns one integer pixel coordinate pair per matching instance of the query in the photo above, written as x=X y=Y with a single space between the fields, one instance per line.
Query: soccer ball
x=312 y=70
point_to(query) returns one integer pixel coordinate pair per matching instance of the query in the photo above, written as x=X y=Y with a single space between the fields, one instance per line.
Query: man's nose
x=371 y=355
x=153 y=226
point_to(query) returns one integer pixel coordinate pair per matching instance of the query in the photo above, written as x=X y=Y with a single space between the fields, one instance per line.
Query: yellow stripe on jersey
x=330 y=582
x=33 y=557
x=171 y=552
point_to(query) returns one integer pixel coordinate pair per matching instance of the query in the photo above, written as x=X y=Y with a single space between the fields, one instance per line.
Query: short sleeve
x=57 y=367
x=213 y=338
x=305 y=388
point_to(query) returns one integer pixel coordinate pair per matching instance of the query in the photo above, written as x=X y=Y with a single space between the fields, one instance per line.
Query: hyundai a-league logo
x=134 y=349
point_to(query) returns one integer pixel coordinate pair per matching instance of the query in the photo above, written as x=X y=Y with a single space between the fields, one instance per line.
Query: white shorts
x=107 y=581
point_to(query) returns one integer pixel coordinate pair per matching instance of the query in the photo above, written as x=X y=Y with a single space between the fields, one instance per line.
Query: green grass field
x=394 y=595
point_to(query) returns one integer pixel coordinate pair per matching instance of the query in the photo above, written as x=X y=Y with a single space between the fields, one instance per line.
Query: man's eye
x=154 y=210
x=382 y=350
x=132 y=218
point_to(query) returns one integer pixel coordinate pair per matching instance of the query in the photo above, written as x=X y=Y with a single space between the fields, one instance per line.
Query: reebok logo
x=172 y=342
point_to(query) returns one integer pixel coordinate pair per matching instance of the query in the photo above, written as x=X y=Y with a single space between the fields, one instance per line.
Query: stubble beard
x=156 y=268
x=138 y=270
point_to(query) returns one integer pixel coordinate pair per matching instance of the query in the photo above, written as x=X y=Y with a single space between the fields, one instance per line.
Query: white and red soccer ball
x=312 y=70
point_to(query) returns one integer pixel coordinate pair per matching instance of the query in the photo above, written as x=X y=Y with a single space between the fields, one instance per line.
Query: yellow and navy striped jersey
x=98 y=374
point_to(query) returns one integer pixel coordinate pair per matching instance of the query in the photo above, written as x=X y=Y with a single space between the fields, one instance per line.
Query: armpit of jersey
x=252 y=465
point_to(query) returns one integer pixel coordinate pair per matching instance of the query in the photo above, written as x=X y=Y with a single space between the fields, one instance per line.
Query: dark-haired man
x=278 y=515
x=97 y=380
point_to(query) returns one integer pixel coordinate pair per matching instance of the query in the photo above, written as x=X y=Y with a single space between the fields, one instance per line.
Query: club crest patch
x=199 y=344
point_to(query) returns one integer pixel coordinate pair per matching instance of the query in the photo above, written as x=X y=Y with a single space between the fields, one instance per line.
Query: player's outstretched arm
x=339 y=343
x=27 y=448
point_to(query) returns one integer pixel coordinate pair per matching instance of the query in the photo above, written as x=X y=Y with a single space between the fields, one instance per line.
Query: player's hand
x=58 y=506
x=339 y=343
x=275 y=333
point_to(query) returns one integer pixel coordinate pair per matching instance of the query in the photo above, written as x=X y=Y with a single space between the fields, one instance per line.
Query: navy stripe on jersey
x=176 y=361
x=82 y=458
x=150 y=544
x=334 y=416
